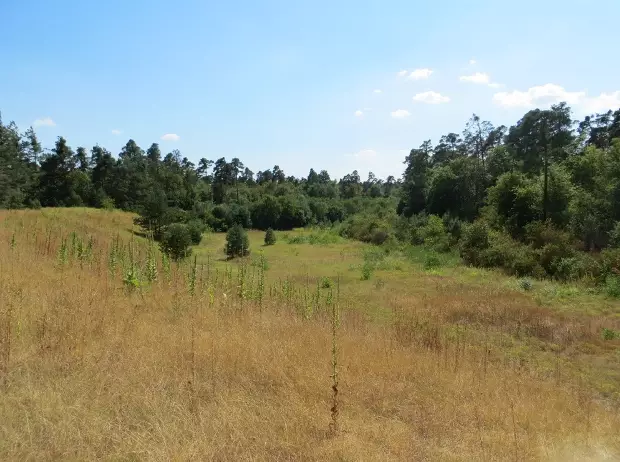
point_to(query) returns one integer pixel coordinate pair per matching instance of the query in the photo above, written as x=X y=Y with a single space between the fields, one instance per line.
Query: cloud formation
x=116 y=132
x=44 y=122
x=402 y=73
x=171 y=137
x=400 y=114
x=359 y=113
x=431 y=97
x=420 y=74
x=478 y=77
x=472 y=61
x=603 y=102
x=377 y=91
x=539 y=95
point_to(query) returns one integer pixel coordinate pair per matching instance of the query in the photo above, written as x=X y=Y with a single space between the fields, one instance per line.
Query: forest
x=540 y=198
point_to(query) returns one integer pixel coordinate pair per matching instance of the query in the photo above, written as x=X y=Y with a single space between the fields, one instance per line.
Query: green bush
x=196 y=228
x=475 y=239
x=367 y=269
x=237 y=242
x=612 y=286
x=526 y=284
x=176 y=241
x=270 y=237
x=609 y=263
x=526 y=264
x=379 y=236
x=610 y=334
x=550 y=255
x=326 y=283
x=454 y=228
x=614 y=235
x=579 y=266
x=434 y=234
x=432 y=261
x=107 y=203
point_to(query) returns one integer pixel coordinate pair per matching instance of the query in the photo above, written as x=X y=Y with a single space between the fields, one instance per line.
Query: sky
x=336 y=85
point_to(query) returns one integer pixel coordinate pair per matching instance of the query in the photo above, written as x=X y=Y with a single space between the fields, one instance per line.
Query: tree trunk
x=546 y=185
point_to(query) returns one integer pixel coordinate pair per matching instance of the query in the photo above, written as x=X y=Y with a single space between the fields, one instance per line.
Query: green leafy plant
x=612 y=286
x=176 y=241
x=270 y=237
x=237 y=242
x=526 y=284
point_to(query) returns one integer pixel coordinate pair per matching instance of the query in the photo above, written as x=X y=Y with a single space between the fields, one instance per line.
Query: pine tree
x=270 y=237
x=237 y=242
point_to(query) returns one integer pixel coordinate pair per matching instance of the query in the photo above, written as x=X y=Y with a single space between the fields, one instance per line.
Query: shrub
x=379 y=236
x=176 y=241
x=550 y=256
x=259 y=261
x=434 y=234
x=610 y=334
x=270 y=237
x=454 y=228
x=196 y=228
x=501 y=252
x=475 y=239
x=326 y=283
x=431 y=261
x=526 y=284
x=580 y=266
x=237 y=242
x=614 y=235
x=612 y=286
x=366 y=271
x=609 y=263
x=526 y=264
x=107 y=203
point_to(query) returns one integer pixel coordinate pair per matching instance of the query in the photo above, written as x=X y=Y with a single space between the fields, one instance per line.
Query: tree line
x=547 y=175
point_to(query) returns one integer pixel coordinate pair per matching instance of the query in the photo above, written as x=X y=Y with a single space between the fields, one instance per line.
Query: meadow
x=315 y=348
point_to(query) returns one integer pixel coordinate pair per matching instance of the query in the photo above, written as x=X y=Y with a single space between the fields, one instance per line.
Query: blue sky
x=296 y=83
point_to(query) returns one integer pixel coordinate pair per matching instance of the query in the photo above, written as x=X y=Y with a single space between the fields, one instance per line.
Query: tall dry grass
x=95 y=369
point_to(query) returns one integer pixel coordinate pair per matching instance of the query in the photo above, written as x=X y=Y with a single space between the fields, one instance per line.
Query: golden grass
x=92 y=371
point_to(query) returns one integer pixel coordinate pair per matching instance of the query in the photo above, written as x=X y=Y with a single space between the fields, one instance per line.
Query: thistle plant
x=334 y=326
x=62 y=253
x=151 y=264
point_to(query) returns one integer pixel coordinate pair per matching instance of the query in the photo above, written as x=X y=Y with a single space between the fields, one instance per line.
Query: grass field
x=233 y=360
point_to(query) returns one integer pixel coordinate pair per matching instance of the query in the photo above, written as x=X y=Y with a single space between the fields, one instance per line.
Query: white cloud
x=116 y=132
x=171 y=137
x=377 y=91
x=472 y=61
x=400 y=114
x=602 y=102
x=44 y=122
x=420 y=74
x=496 y=85
x=478 y=77
x=402 y=73
x=359 y=113
x=431 y=97
x=538 y=95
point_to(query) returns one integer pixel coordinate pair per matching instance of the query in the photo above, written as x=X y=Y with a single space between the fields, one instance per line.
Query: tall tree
x=57 y=188
x=540 y=138
x=413 y=198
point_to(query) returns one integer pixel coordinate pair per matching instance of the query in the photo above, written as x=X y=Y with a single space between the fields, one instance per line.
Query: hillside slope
x=233 y=360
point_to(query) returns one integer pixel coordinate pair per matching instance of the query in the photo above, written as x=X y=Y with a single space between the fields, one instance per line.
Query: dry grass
x=92 y=371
